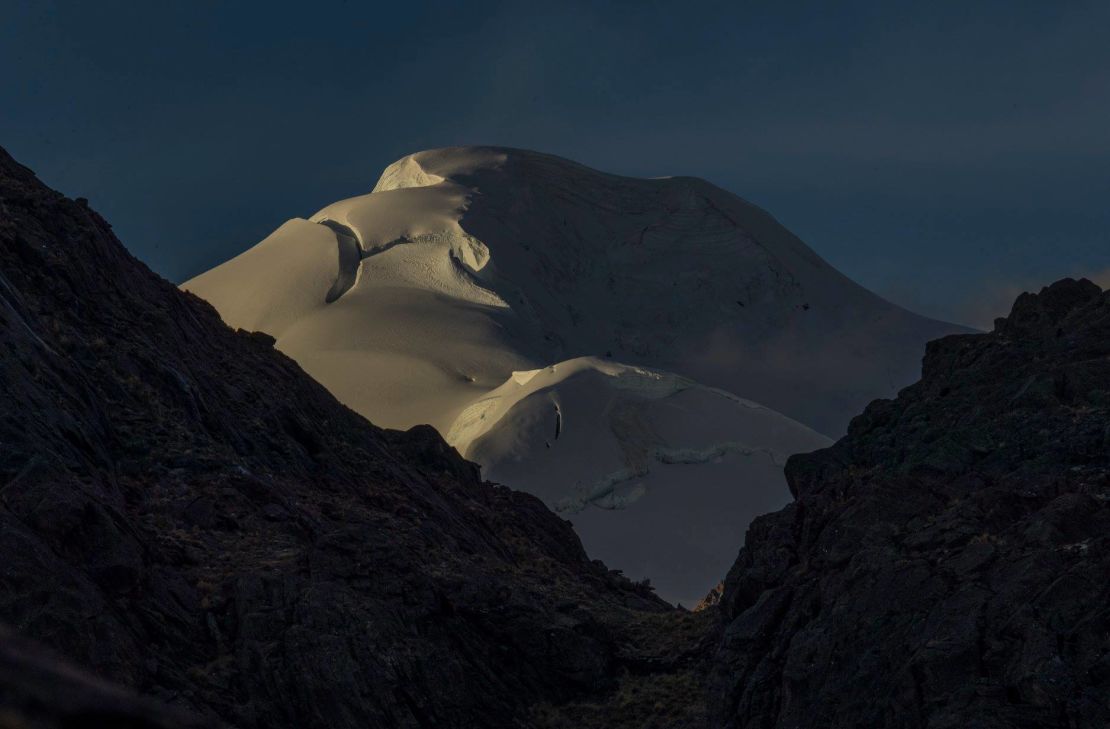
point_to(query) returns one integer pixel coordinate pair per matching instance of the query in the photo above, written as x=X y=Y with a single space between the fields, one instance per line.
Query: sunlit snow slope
x=418 y=302
x=658 y=474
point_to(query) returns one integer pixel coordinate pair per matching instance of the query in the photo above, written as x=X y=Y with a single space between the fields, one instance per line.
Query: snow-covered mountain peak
x=417 y=303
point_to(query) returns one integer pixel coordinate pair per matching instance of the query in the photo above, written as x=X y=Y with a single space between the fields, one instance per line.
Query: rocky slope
x=947 y=563
x=185 y=513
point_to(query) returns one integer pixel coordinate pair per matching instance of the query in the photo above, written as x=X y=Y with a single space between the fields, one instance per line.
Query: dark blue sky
x=942 y=154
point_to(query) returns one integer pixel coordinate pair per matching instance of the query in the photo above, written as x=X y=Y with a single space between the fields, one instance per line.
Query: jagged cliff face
x=947 y=563
x=184 y=512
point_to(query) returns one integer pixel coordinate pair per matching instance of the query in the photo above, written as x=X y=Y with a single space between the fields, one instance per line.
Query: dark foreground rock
x=186 y=514
x=39 y=690
x=946 y=564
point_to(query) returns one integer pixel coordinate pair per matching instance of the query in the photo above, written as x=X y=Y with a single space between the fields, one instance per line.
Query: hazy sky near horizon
x=945 y=155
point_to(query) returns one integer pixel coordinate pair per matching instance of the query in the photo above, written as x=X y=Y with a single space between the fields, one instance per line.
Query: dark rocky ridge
x=947 y=563
x=185 y=513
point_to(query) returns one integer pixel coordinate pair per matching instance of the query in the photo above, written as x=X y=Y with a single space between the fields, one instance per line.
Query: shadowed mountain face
x=184 y=512
x=947 y=563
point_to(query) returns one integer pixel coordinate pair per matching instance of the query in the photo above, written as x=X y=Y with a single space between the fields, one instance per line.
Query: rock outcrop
x=947 y=563
x=185 y=513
